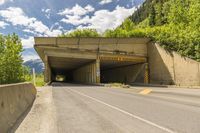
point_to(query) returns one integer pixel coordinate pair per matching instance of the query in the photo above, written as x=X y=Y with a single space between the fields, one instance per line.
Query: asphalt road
x=95 y=109
x=90 y=109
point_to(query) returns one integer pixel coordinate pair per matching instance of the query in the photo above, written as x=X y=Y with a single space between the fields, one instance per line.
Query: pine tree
x=152 y=16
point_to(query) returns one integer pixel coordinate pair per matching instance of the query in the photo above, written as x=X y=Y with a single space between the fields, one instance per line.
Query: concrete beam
x=85 y=40
x=77 y=55
x=118 y=57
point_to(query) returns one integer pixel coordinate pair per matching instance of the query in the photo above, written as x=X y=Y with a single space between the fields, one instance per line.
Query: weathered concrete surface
x=186 y=71
x=15 y=99
x=68 y=55
x=42 y=117
x=171 y=68
x=160 y=65
x=86 y=73
x=136 y=46
x=64 y=55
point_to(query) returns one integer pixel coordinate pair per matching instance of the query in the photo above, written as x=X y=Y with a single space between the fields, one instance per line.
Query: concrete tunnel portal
x=94 y=60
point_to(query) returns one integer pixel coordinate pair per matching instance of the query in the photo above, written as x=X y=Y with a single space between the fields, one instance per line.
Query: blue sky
x=29 y=18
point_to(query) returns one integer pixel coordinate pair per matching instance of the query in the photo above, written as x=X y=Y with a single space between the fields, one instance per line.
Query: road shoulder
x=41 y=117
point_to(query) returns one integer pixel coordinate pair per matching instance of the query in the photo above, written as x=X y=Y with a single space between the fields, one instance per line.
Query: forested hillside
x=175 y=24
x=156 y=10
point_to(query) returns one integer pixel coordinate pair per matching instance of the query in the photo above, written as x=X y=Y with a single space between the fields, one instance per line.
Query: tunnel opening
x=61 y=75
x=78 y=70
x=71 y=70
x=94 y=60
x=125 y=72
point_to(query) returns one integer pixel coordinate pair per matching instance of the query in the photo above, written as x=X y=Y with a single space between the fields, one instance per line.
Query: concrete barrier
x=171 y=68
x=15 y=99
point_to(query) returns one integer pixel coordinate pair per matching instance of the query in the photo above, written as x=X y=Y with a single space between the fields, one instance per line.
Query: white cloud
x=30 y=57
x=76 y=15
x=76 y=20
x=28 y=42
x=104 y=19
x=89 y=8
x=101 y=20
x=77 y=10
x=47 y=12
x=29 y=31
x=29 y=54
x=103 y=2
x=54 y=32
x=3 y=24
x=3 y=1
x=17 y=17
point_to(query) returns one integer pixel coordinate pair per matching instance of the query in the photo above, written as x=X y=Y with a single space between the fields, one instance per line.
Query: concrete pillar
x=47 y=72
x=87 y=73
x=146 y=74
x=90 y=68
x=92 y=73
x=98 y=74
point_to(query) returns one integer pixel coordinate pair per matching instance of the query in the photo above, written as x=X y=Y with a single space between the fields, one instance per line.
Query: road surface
x=70 y=108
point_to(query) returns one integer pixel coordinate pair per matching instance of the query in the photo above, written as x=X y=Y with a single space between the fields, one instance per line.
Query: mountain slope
x=174 y=24
x=37 y=64
x=29 y=54
x=151 y=8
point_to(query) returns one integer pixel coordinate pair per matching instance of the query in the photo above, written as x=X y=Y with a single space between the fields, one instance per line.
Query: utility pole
x=34 y=76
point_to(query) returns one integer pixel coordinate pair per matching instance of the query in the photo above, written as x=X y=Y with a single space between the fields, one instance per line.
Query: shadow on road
x=64 y=84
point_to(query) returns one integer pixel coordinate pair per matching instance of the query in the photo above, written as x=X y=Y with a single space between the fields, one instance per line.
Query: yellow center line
x=145 y=91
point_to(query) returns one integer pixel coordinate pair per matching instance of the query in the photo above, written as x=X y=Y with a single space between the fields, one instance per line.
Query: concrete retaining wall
x=127 y=74
x=171 y=68
x=14 y=101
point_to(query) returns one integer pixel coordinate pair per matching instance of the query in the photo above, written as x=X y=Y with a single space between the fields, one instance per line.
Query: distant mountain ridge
x=37 y=64
x=29 y=54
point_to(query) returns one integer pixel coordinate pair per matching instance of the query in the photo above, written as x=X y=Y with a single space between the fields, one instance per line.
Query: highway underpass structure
x=94 y=60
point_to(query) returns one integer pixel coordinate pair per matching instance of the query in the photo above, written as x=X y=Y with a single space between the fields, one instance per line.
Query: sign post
x=34 y=76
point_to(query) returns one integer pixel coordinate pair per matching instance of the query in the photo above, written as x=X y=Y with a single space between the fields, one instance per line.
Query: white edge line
x=125 y=112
